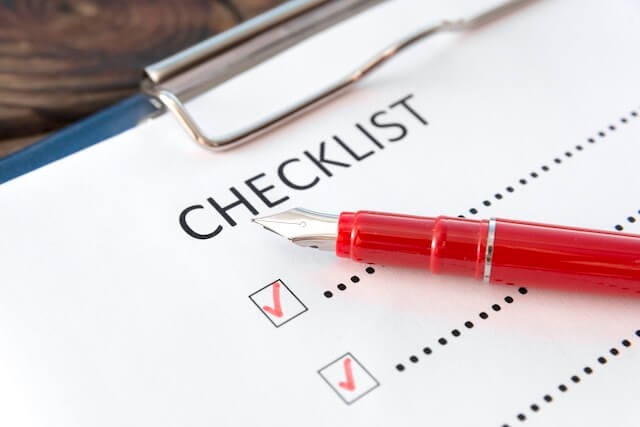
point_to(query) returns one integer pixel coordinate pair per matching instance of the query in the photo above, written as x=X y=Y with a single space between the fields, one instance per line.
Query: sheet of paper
x=113 y=313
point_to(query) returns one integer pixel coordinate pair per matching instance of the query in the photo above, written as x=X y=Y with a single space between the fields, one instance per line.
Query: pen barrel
x=498 y=251
x=383 y=238
x=565 y=257
x=443 y=245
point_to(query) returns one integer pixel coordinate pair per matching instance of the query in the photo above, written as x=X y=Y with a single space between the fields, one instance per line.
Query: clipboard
x=113 y=312
x=169 y=83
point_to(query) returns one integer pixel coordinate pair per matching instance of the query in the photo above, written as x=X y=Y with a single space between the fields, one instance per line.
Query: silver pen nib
x=303 y=227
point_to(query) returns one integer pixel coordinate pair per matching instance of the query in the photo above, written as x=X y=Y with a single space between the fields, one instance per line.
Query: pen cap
x=565 y=257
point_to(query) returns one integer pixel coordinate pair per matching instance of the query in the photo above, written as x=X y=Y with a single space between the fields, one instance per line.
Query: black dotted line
x=588 y=370
x=456 y=333
x=574 y=379
x=537 y=173
x=630 y=220
x=353 y=279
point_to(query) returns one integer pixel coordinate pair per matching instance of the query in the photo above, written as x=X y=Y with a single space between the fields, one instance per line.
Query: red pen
x=495 y=250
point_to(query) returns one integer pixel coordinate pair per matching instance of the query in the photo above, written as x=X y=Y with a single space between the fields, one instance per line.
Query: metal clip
x=261 y=38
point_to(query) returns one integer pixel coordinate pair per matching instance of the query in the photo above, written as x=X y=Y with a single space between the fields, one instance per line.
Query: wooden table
x=61 y=60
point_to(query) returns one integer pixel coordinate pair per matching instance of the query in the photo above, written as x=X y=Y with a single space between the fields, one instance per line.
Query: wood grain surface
x=61 y=60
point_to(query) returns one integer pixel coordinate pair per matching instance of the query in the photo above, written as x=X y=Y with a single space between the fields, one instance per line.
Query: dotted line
x=588 y=370
x=573 y=379
x=630 y=219
x=456 y=333
x=354 y=279
x=535 y=174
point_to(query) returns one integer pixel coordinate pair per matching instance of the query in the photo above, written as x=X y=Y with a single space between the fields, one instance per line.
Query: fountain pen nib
x=303 y=227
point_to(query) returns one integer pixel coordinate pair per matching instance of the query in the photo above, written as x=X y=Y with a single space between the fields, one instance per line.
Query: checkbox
x=348 y=378
x=278 y=303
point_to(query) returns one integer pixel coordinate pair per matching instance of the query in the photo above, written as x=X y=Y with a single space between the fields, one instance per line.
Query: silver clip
x=261 y=38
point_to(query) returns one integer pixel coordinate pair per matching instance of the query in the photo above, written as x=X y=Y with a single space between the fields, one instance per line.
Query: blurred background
x=61 y=60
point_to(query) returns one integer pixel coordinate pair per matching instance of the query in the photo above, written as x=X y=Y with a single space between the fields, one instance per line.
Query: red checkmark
x=349 y=385
x=277 y=308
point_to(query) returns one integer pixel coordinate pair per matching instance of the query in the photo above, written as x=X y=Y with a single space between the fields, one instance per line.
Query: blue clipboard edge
x=85 y=133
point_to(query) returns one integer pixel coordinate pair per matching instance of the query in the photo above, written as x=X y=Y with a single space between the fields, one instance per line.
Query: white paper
x=111 y=314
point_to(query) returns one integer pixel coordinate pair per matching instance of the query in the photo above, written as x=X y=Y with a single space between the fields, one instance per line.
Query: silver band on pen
x=489 y=251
